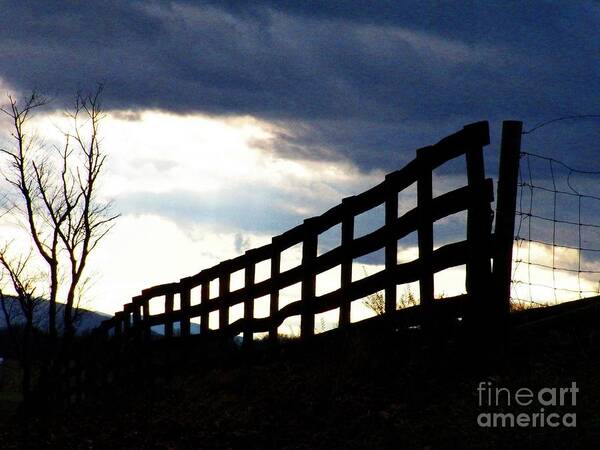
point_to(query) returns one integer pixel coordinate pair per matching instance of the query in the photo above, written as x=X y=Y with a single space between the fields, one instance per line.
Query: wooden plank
x=249 y=274
x=425 y=227
x=126 y=318
x=273 y=291
x=238 y=263
x=202 y=276
x=328 y=219
x=184 y=305
x=309 y=254
x=375 y=196
x=346 y=262
x=224 y=280
x=146 y=316
x=478 y=235
x=402 y=178
x=136 y=316
x=262 y=253
x=204 y=302
x=473 y=135
x=161 y=289
x=281 y=281
x=391 y=246
x=291 y=237
x=397 y=180
x=168 y=323
x=369 y=199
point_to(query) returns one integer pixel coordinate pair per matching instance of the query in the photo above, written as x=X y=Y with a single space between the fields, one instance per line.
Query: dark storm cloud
x=360 y=80
x=371 y=144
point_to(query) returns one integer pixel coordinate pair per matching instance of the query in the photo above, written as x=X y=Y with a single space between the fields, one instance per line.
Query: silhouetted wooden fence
x=485 y=293
x=475 y=197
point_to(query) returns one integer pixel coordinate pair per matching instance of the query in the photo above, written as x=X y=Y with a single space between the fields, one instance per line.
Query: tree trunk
x=69 y=326
x=52 y=305
x=26 y=362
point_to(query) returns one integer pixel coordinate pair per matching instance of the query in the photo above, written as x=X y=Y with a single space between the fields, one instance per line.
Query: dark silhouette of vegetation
x=23 y=283
x=372 y=387
x=54 y=195
x=376 y=301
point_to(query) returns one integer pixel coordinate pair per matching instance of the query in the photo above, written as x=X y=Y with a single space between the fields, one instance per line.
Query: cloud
x=238 y=119
x=242 y=243
x=251 y=208
x=148 y=250
x=364 y=74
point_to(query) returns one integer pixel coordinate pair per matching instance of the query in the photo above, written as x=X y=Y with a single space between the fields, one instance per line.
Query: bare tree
x=20 y=174
x=56 y=196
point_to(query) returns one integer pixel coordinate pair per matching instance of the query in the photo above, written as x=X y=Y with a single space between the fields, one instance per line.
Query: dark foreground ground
x=372 y=390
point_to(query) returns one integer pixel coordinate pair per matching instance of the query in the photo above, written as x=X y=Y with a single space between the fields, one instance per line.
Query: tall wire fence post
x=510 y=149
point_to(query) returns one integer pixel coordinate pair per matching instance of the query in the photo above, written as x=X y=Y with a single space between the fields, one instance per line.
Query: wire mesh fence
x=556 y=254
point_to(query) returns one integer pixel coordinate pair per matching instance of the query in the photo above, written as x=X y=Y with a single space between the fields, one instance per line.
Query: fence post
x=184 y=306
x=510 y=149
x=478 y=225
x=346 y=266
x=391 y=245
x=136 y=358
x=309 y=254
x=126 y=320
x=119 y=320
x=169 y=300
x=274 y=295
x=145 y=316
x=249 y=272
x=204 y=299
x=425 y=233
x=224 y=280
x=137 y=316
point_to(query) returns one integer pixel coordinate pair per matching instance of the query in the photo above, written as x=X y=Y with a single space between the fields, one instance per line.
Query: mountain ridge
x=86 y=320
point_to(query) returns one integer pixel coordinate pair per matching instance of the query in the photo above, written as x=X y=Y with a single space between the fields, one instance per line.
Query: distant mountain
x=159 y=331
x=86 y=320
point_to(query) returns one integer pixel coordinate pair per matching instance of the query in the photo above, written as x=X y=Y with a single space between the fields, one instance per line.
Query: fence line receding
x=474 y=252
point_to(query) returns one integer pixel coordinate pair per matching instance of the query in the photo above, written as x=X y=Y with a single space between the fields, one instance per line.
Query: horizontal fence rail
x=475 y=198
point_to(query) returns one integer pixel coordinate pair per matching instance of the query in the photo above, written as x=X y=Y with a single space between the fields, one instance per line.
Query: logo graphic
x=523 y=407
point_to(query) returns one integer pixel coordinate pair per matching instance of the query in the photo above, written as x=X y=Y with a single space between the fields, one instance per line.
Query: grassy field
x=10 y=388
x=10 y=399
x=380 y=389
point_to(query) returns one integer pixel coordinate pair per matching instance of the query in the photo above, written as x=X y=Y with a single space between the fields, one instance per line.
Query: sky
x=229 y=122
